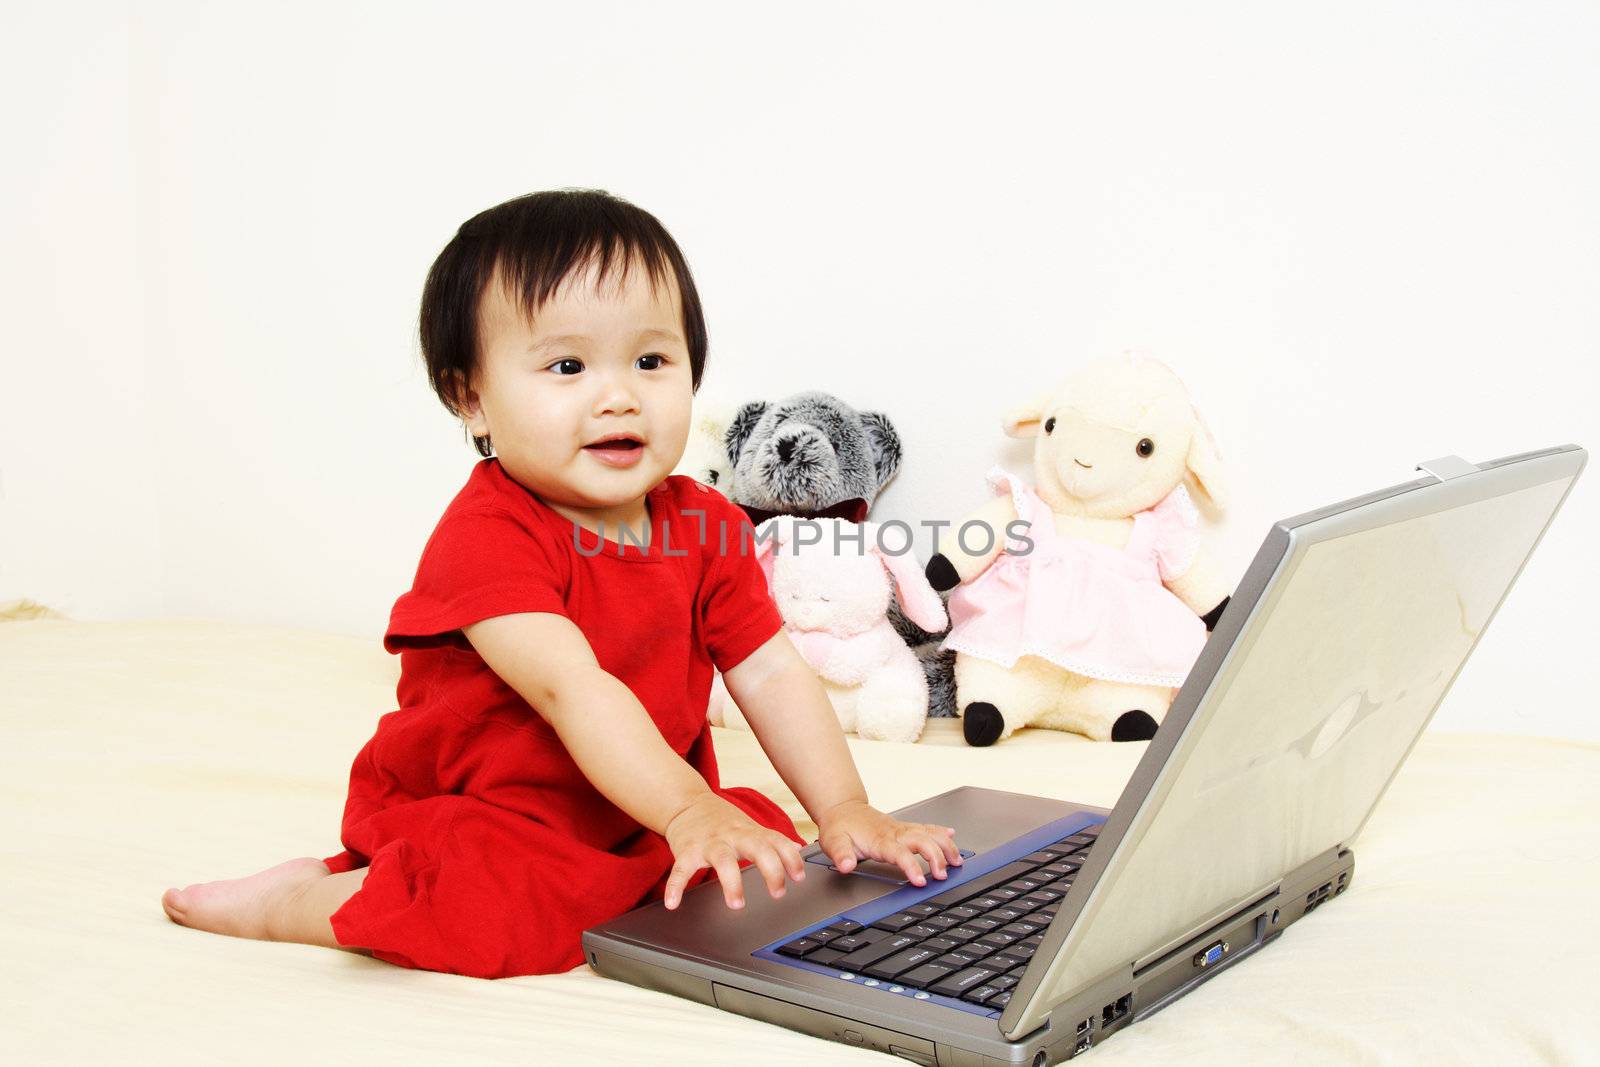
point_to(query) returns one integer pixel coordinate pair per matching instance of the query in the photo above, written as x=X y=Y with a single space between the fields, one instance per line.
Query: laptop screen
x=1348 y=650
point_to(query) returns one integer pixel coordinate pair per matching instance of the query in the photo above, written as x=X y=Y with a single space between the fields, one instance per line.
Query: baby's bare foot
x=243 y=907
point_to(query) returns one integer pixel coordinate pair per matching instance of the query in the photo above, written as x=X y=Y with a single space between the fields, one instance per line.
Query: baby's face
x=596 y=362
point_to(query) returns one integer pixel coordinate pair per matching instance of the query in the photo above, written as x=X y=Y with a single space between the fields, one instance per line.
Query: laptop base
x=1139 y=989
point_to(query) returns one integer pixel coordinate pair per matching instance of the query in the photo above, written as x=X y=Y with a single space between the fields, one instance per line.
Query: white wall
x=1365 y=237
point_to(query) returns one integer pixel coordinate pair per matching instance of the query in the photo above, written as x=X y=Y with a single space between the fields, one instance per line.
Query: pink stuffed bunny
x=831 y=581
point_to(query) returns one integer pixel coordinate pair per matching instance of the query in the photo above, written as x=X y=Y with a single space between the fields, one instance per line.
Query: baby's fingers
x=839 y=847
x=682 y=871
x=767 y=860
x=925 y=843
x=726 y=861
x=899 y=854
x=793 y=861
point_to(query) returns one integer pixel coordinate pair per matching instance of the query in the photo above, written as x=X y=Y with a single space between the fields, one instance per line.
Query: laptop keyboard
x=971 y=943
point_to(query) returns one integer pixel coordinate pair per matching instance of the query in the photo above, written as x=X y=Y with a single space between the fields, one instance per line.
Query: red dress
x=487 y=850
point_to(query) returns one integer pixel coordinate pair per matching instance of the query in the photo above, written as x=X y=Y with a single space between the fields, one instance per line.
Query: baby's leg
x=289 y=902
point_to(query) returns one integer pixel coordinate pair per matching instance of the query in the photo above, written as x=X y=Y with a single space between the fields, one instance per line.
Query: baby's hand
x=711 y=832
x=855 y=830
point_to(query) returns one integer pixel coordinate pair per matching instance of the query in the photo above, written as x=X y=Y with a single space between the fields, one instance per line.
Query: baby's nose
x=785 y=449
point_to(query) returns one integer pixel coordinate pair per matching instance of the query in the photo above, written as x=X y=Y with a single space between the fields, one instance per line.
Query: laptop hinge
x=1446 y=467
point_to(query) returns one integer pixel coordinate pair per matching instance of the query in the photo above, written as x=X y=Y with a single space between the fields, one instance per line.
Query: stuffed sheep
x=1089 y=619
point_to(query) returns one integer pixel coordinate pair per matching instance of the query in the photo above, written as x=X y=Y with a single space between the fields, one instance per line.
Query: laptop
x=1068 y=922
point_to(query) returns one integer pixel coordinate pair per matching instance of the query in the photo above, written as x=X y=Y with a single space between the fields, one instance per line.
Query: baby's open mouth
x=621 y=445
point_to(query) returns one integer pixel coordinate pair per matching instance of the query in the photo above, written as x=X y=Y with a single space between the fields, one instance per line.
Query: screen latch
x=1446 y=467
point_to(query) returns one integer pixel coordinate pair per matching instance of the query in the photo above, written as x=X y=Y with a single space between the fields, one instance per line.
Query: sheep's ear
x=1205 y=467
x=742 y=426
x=1023 y=422
x=885 y=445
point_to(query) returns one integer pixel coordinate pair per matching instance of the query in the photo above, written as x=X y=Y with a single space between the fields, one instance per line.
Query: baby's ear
x=465 y=403
x=743 y=425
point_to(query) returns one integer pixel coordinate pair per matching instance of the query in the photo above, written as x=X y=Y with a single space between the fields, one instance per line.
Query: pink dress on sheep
x=1088 y=608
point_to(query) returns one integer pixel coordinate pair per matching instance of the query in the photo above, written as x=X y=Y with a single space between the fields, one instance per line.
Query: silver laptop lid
x=1338 y=646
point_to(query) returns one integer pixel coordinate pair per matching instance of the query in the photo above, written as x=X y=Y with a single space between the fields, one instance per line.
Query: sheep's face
x=1111 y=468
x=816 y=591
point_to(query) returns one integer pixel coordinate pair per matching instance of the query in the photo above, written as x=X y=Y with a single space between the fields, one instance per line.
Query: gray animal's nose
x=785 y=449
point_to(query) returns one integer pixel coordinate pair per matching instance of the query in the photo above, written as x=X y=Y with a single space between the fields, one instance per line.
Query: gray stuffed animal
x=810 y=455
x=814 y=456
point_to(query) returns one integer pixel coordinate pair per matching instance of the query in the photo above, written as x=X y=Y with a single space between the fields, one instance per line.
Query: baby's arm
x=619 y=748
x=790 y=714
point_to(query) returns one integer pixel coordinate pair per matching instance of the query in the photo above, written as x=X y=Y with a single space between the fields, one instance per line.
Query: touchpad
x=884 y=872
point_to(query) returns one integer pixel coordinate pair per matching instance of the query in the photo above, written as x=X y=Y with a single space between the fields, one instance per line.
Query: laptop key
x=927 y=974
x=799 y=947
x=980 y=884
x=897 y=922
x=900 y=961
x=940 y=944
x=1008 y=913
x=922 y=930
x=984 y=923
x=1044 y=856
x=869 y=954
x=824 y=955
x=923 y=909
x=849 y=942
x=961 y=981
x=962 y=911
x=979 y=994
x=846 y=926
x=962 y=933
x=999 y=939
x=1008 y=959
x=960 y=958
x=941 y=922
x=999 y=1000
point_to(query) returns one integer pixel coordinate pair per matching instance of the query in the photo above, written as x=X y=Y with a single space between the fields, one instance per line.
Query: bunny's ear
x=770 y=536
x=917 y=598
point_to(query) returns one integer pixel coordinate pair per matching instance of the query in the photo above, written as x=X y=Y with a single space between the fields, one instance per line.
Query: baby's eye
x=573 y=366
x=655 y=356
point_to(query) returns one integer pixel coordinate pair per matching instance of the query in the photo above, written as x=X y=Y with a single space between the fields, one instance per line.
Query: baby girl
x=550 y=765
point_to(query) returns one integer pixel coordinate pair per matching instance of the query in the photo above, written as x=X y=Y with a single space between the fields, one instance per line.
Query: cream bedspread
x=140 y=755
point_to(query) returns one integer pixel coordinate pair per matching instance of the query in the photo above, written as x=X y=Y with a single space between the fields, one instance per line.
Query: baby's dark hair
x=537 y=240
